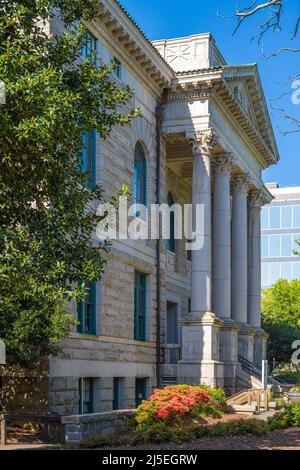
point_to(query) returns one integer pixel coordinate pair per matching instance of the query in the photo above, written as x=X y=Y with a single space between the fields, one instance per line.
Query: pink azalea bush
x=174 y=403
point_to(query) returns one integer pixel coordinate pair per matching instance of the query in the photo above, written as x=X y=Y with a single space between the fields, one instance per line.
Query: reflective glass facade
x=280 y=230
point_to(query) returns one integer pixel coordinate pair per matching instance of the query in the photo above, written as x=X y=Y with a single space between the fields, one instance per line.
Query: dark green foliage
x=47 y=211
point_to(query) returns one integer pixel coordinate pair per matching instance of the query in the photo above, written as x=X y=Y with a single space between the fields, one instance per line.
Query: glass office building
x=280 y=228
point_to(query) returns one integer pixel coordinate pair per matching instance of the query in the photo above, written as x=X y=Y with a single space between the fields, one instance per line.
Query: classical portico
x=215 y=141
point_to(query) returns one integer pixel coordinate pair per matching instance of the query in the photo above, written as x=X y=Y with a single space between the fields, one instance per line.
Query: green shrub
x=292 y=412
x=295 y=389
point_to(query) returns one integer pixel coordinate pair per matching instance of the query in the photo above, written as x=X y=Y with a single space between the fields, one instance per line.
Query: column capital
x=222 y=164
x=256 y=199
x=240 y=184
x=202 y=141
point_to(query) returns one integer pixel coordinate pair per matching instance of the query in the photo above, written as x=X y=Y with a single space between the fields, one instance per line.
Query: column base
x=246 y=342
x=208 y=372
x=260 y=346
x=200 y=350
x=229 y=353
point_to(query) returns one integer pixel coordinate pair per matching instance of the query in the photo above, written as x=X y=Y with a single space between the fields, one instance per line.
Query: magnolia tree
x=47 y=211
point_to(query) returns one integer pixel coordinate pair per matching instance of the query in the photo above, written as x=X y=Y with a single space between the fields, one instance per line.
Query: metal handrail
x=255 y=370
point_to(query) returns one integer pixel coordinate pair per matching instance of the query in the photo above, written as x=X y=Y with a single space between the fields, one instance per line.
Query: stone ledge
x=96 y=417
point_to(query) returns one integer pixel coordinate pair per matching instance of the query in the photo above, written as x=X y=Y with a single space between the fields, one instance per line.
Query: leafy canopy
x=281 y=318
x=47 y=210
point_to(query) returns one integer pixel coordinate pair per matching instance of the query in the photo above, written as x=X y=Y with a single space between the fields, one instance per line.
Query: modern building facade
x=280 y=224
x=162 y=315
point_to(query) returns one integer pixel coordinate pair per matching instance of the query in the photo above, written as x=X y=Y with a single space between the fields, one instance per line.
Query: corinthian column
x=254 y=260
x=222 y=237
x=239 y=268
x=256 y=200
x=201 y=197
x=200 y=329
x=222 y=269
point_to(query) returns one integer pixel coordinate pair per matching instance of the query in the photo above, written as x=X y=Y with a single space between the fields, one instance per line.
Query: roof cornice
x=123 y=34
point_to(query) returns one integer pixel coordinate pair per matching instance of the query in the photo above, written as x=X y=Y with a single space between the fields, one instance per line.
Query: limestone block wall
x=80 y=427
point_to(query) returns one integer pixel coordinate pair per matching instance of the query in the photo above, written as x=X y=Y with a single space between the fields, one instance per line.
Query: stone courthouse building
x=162 y=315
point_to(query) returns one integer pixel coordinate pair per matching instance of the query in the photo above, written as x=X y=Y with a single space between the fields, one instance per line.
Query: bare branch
x=282 y=49
x=296 y=28
x=245 y=13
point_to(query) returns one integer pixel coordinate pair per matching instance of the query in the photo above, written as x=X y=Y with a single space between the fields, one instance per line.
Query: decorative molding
x=240 y=184
x=223 y=164
x=256 y=199
x=202 y=141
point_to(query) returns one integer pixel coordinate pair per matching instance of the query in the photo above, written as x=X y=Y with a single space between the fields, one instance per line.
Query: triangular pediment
x=246 y=89
x=242 y=95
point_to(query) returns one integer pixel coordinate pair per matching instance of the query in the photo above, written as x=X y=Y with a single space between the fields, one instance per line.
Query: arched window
x=140 y=175
x=171 y=246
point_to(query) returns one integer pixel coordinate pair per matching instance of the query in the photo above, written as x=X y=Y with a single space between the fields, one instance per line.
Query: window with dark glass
x=88 y=154
x=89 y=47
x=86 y=395
x=117 y=67
x=117 y=391
x=171 y=245
x=86 y=311
x=139 y=306
x=140 y=175
x=140 y=391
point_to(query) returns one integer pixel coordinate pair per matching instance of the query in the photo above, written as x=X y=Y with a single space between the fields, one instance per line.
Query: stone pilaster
x=200 y=328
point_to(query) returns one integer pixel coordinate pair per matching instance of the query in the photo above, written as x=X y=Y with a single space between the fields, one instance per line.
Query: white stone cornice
x=240 y=184
x=202 y=142
x=223 y=164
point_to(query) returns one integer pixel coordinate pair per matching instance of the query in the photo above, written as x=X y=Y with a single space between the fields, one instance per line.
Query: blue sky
x=162 y=19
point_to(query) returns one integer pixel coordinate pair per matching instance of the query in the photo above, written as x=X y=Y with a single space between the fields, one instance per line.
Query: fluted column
x=222 y=237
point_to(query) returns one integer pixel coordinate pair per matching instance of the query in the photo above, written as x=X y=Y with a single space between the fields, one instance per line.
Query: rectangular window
x=296 y=270
x=275 y=217
x=265 y=246
x=118 y=67
x=86 y=311
x=172 y=323
x=286 y=271
x=89 y=48
x=86 y=396
x=296 y=216
x=117 y=392
x=139 y=306
x=88 y=153
x=140 y=391
x=287 y=216
x=274 y=246
x=296 y=246
x=265 y=218
x=265 y=274
x=286 y=245
x=274 y=273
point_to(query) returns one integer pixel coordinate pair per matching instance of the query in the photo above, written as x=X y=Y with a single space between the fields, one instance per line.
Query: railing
x=254 y=370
